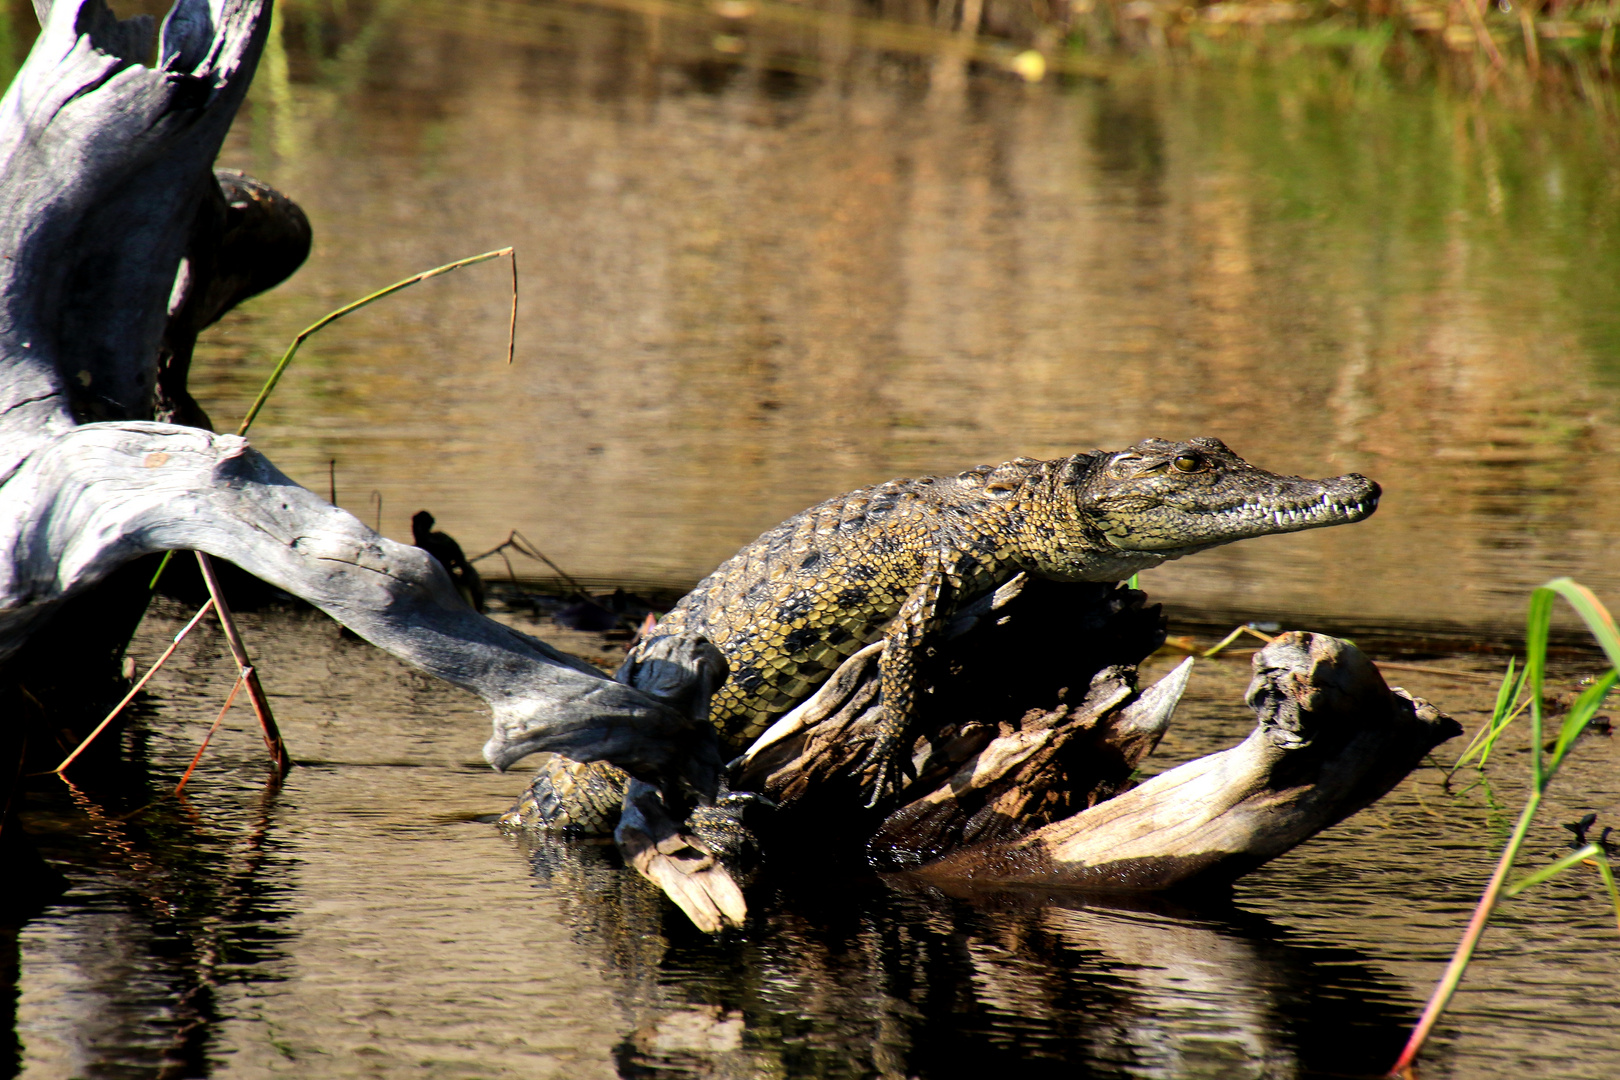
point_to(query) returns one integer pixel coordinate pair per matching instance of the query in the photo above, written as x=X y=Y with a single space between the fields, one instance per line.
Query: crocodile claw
x=889 y=777
x=882 y=786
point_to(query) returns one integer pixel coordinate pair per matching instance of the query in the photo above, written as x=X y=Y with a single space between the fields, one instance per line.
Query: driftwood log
x=118 y=243
x=1025 y=768
x=1331 y=738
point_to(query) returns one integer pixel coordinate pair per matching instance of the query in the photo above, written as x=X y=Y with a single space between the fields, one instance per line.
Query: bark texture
x=1331 y=738
x=1037 y=788
x=120 y=244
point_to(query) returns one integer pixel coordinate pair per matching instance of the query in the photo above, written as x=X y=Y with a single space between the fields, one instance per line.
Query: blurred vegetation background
x=1529 y=52
x=775 y=250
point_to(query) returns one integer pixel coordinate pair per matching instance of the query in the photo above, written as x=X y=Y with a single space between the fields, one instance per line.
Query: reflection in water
x=747 y=289
x=359 y=922
x=174 y=910
x=756 y=278
x=874 y=981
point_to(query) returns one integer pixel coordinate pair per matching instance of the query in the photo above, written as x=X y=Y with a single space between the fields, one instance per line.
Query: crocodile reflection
x=872 y=978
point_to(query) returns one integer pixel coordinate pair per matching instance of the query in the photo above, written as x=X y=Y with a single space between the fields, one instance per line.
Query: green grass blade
x=1606 y=872
x=1495 y=734
x=1508 y=692
x=163 y=564
x=1592 y=612
x=1538 y=626
x=1506 y=711
x=1580 y=714
x=1552 y=870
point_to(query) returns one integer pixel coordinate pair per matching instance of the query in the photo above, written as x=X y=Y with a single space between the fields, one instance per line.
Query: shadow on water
x=870 y=978
x=840 y=979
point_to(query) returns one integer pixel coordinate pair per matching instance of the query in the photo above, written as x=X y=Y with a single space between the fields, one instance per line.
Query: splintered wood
x=1035 y=729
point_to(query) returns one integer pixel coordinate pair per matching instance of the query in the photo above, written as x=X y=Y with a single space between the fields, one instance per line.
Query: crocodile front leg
x=887 y=761
x=571 y=796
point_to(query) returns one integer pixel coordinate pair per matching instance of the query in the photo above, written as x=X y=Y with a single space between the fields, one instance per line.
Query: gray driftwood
x=102 y=494
x=674 y=860
x=106 y=181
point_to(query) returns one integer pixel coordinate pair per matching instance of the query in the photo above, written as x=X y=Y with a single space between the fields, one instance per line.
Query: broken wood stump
x=1030 y=711
x=1331 y=738
x=1033 y=733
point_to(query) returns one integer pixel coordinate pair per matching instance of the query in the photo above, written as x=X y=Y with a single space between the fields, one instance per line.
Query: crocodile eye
x=1188 y=463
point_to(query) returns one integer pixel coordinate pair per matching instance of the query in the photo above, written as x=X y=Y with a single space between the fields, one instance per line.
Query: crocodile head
x=1161 y=500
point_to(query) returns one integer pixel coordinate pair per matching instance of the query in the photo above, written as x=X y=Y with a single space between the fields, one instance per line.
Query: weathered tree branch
x=101 y=494
x=106 y=184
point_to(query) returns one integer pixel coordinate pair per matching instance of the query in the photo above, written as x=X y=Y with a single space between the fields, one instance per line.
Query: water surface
x=761 y=266
x=359 y=922
x=746 y=289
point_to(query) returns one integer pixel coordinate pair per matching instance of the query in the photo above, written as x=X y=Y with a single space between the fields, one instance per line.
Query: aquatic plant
x=347 y=309
x=1518 y=695
x=247 y=676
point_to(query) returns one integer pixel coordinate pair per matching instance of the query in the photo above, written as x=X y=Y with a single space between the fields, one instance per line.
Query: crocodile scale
x=789 y=608
x=894 y=561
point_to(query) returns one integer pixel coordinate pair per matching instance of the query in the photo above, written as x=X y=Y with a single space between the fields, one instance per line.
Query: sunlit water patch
x=359 y=920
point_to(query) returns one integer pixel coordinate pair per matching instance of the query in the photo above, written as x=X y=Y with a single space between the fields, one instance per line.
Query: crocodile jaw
x=1141 y=504
x=1176 y=530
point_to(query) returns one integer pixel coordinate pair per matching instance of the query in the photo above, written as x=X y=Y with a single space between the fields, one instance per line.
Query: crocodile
x=586 y=796
x=895 y=560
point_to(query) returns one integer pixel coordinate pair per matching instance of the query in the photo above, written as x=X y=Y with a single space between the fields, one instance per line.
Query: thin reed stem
x=90 y=738
x=1234 y=635
x=511 y=330
x=163 y=564
x=261 y=704
x=229 y=698
x=524 y=546
x=1470 y=939
x=348 y=309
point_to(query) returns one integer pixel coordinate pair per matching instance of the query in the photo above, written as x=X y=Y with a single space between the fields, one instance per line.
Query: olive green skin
x=586 y=797
x=570 y=796
x=896 y=560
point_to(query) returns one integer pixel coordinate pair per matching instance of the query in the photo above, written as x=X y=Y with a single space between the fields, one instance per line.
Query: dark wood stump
x=1032 y=734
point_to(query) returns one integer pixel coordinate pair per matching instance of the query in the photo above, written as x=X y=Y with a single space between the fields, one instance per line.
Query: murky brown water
x=748 y=285
x=358 y=923
x=744 y=291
